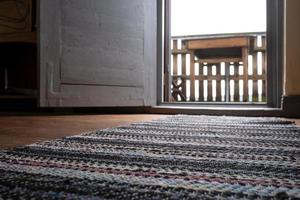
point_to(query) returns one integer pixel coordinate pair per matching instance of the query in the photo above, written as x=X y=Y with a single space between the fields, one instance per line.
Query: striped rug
x=179 y=157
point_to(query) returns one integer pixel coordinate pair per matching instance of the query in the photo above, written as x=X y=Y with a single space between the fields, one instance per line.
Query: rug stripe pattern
x=178 y=157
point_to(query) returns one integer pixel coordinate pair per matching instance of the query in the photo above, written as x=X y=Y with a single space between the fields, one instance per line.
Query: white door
x=97 y=53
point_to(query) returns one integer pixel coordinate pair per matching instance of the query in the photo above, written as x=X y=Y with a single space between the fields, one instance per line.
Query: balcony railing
x=220 y=68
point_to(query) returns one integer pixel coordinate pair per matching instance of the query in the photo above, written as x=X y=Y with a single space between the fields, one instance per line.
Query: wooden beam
x=221 y=77
x=218 y=43
x=180 y=51
x=219 y=60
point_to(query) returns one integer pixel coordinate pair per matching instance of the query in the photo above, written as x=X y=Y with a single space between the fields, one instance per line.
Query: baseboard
x=100 y=110
x=31 y=111
x=291 y=106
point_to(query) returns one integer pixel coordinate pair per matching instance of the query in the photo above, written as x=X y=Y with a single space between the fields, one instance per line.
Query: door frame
x=275 y=11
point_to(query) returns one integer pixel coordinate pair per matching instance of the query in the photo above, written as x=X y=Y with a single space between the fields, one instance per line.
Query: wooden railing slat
x=264 y=96
x=245 y=73
x=264 y=65
x=209 y=83
x=227 y=83
x=192 y=76
x=218 y=83
x=255 y=83
x=201 y=91
x=183 y=65
x=175 y=58
x=236 y=82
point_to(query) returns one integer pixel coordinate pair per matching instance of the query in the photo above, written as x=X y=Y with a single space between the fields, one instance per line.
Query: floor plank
x=22 y=130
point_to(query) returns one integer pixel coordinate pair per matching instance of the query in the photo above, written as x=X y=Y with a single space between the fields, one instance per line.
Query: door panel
x=97 y=53
x=83 y=95
x=103 y=67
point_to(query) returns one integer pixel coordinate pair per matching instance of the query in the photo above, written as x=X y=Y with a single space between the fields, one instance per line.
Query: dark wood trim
x=275 y=52
x=291 y=106
x=167 y=49
x=160 y=51
x=163 y=56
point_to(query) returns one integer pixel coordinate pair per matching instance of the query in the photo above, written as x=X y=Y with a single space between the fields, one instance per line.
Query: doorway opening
x=218 y=52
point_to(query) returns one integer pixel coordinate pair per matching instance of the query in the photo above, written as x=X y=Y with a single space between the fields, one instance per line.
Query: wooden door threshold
x=234 y=110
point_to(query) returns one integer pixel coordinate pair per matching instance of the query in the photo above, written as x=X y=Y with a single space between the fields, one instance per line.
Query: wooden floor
x=21 y=130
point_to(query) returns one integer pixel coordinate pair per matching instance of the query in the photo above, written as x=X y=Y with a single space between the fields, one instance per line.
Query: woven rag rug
x=178 y=157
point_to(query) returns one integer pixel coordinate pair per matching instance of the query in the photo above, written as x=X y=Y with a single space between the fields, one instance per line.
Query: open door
x=97 y=53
